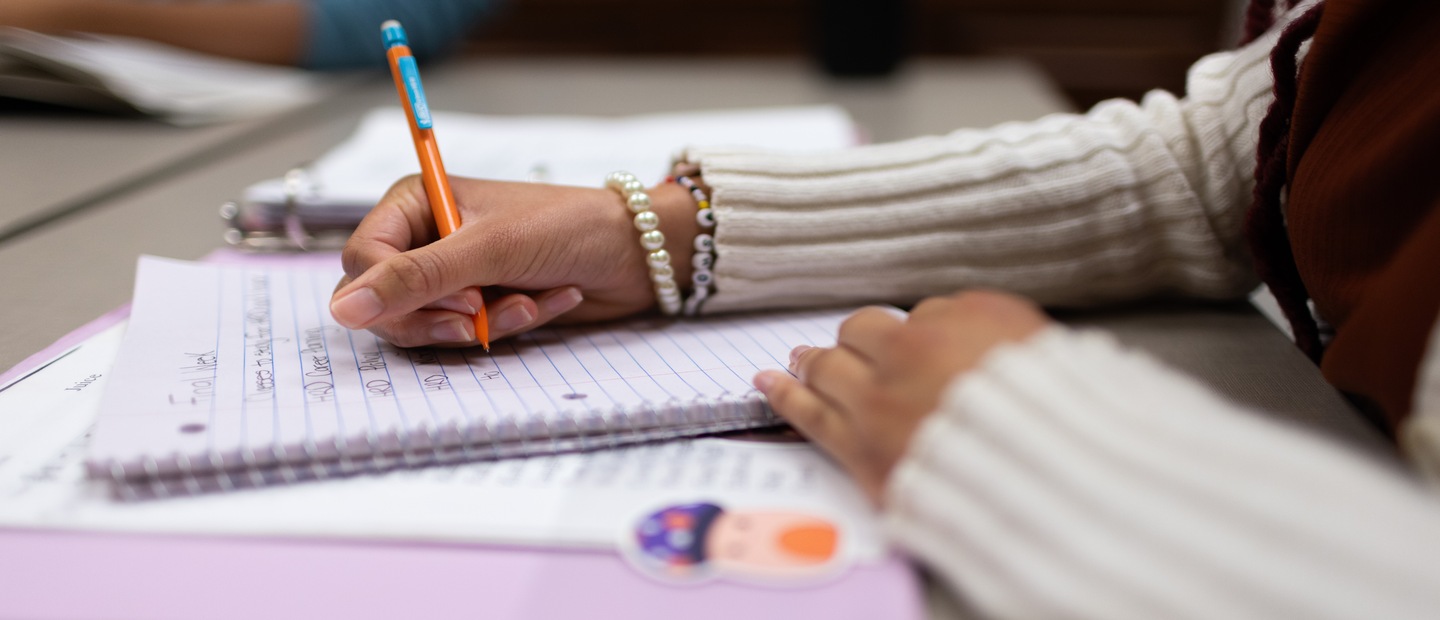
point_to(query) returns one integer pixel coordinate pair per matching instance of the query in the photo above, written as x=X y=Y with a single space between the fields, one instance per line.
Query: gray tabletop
x=56 y=163
x=60 y=275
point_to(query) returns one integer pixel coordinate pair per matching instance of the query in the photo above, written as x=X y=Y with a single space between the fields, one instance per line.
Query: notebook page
x=245 y=364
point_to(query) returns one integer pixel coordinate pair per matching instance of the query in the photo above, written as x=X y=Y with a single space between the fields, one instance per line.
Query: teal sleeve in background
x=345 y=34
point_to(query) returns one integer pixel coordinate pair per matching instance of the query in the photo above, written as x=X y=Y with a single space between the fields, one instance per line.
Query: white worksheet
x=571 y=500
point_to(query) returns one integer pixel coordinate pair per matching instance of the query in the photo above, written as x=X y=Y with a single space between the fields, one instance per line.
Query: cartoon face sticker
x=691 y=542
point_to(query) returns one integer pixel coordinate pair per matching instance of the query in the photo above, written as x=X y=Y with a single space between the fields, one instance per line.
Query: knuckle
x=904 y=344
x=821 y=364
x=395 y=334
x=931 y=306
x=869 y=318
x=415 y=273
x=805 y=362
x=352 y=258
x=988 y=301
x=854 y=323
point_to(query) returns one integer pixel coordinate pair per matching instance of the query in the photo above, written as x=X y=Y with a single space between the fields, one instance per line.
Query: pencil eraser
x=393 y=34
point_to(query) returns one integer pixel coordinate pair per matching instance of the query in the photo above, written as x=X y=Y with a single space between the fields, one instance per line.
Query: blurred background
x=1094 y=49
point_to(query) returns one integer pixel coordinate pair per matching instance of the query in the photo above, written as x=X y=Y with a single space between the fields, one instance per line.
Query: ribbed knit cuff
x=1125 y=201
x=1068 y=478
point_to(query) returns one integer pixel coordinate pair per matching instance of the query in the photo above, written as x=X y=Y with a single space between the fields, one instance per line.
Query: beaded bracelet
x=704 y=259
x=667 y=292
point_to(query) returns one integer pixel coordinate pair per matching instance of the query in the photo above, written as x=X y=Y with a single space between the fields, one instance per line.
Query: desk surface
x=65 y=273
x=56 y=162
x=61 y=275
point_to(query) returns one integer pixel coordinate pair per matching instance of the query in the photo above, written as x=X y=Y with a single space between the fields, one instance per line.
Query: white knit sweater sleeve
x=1068 y=478
x=1125 y=201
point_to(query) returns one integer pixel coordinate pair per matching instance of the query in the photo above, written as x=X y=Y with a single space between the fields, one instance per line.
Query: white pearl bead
x=646 y=221
x=704 y=243
x=660 y=273
x=638 y=201
x=670 y=309
x=631 y=186
x=705 y=218
x=616 y=180
x=702 y=260
x=664 y=286
x=652 y=240
x=658 y=259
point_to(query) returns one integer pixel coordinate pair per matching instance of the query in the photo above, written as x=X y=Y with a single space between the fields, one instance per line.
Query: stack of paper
x=340 y=187
x=118 y=73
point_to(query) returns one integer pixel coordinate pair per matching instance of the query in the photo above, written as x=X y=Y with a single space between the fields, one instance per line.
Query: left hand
x=863 y=399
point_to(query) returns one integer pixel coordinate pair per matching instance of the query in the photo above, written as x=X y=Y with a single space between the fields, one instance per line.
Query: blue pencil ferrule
x=393 y=34
x=410 y=74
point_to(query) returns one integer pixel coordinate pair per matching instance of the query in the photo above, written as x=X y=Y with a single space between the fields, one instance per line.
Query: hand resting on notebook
x=863 y=399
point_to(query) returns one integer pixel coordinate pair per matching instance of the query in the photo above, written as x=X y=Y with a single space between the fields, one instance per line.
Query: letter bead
x=705 y=218
x=704 y=243
x=702 y=260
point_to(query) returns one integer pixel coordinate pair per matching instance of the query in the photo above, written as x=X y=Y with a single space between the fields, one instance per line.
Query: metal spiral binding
x=516 y=434
x=287 y=472
x=217 y=464
x=312 y=456
x=187 y=475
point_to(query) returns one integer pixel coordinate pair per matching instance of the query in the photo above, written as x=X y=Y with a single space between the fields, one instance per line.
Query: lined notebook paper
x=234 y=377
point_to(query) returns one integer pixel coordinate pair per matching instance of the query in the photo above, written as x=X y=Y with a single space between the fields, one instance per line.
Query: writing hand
x=863 y=399
x=540 y=252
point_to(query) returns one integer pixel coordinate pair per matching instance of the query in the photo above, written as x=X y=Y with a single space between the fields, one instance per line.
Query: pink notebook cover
x=65 y=574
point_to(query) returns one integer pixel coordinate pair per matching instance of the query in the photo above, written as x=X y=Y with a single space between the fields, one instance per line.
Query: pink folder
x=66 y=574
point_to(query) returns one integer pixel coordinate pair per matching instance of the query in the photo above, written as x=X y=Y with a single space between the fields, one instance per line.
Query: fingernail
x=763 y=381
x=795 y=354
x=514 y=317
x=562 y=301
x=357 y=307
x=450 y=331
x=456 y=303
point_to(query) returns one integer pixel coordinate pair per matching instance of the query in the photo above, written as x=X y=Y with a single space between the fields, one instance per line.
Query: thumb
x=401 y=284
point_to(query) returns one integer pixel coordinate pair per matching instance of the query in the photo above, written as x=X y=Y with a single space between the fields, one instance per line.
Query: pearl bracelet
x=667 y=292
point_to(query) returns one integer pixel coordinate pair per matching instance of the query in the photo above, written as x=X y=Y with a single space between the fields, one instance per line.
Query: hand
x=540 y=251
x=863 y=399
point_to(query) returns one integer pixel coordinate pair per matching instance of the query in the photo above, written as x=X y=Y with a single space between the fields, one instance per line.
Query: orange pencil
x=432 y=169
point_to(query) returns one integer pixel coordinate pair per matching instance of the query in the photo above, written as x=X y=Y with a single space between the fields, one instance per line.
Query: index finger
x=400 y=221
x=868 y=330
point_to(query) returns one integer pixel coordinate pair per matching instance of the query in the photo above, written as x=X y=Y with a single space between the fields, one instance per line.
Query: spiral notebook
x=233 y=377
